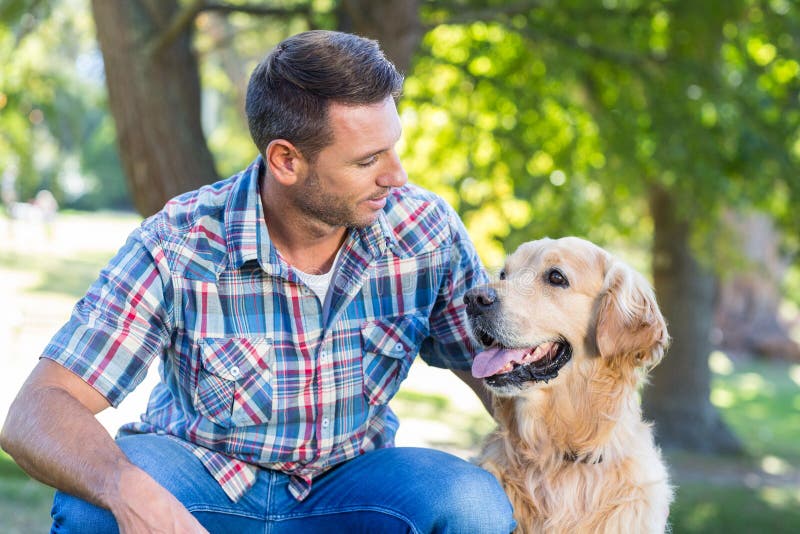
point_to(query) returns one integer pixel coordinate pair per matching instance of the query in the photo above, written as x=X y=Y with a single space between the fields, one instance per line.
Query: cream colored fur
x=619 y=482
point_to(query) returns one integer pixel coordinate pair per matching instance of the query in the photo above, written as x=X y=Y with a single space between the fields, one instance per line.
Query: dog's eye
x=502 y=274
x=557 y=278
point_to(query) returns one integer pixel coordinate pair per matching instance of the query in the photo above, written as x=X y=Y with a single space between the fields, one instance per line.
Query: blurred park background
x=666 y=131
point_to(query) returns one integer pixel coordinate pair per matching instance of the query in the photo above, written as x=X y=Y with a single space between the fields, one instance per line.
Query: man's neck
x=306 y=244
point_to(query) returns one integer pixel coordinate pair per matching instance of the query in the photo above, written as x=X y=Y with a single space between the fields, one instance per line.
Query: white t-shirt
x=319 y=283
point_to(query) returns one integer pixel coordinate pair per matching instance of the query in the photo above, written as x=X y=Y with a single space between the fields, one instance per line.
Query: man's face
x=348 y=183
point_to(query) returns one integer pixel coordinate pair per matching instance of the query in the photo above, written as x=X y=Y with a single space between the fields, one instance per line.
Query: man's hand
x=141 y=505
x=52 y=433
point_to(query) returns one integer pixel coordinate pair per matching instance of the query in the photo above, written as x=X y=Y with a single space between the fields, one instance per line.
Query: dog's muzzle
x=480 y=300
x=501 y=365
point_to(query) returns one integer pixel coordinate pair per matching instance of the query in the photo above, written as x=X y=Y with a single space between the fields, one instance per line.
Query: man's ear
x=629 y=323
x=284 y=161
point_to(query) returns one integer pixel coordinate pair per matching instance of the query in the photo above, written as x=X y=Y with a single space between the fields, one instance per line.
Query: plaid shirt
x=255 y=370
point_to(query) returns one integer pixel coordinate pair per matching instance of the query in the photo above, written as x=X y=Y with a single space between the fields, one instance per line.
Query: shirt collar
x=244 y=217
x=246 y=231
x=377 y=237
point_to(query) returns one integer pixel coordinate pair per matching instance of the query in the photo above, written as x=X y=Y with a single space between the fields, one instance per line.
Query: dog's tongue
x=490 y=362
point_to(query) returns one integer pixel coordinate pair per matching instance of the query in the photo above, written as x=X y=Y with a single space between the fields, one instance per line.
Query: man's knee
x=174 y=467
x=167 y=462
x=453 y=495
x=71 y=514
x=474 y=501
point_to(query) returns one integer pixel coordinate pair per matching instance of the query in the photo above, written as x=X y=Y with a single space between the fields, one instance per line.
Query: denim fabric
x=407 y=490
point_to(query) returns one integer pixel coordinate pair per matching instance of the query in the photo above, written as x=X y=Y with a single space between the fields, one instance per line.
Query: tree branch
x=597 y=52
x=485 y=14
x=185 y=17
x=284 y=12
x=179 y=23
x=29 y=24
x=523 y=7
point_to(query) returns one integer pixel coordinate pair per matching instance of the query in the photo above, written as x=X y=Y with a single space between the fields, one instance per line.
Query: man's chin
x=364 y=223
x=364 y=219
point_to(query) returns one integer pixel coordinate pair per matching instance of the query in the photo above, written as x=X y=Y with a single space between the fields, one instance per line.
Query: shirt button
x=398 y=346
x=323 y=356
x=235 y=372
x=325 y=423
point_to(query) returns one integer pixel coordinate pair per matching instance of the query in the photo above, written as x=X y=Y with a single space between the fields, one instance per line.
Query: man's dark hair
x=291 y=89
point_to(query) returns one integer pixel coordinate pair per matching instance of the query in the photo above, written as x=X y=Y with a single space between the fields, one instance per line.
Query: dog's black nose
x=479 y=299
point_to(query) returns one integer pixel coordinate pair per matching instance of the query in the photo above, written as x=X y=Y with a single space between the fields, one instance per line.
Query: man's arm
x=477 y=386
x=53 y=435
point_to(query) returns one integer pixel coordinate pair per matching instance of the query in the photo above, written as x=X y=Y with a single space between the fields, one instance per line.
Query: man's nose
x=480 y=300
x=394 y=175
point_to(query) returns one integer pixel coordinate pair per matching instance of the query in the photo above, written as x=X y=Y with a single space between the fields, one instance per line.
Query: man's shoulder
x=201 y=206
x=190 y=229
x=419 y=219
x=414 y=204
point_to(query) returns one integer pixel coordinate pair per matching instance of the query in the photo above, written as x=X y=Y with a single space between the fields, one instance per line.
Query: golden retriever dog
x=570 y=332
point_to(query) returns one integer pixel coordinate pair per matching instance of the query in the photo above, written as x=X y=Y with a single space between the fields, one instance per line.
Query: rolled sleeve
x=121 y=323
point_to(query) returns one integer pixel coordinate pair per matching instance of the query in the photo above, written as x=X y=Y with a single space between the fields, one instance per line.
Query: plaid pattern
x=255 y=371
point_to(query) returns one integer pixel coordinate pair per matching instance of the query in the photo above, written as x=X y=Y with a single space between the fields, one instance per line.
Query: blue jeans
x=384 y=491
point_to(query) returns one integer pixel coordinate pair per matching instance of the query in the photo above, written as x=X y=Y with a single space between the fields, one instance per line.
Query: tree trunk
x=155 y=101
x=395 y=25
x=748 y=318
x=678 y=397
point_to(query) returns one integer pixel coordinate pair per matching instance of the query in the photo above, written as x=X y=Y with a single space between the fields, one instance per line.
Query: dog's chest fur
x=562 y=476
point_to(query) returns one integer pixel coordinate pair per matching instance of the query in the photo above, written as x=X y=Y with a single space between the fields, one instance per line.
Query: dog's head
x=559 y=304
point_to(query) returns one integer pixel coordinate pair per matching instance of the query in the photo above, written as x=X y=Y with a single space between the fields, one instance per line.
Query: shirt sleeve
x=449 y=345
x=122 y=322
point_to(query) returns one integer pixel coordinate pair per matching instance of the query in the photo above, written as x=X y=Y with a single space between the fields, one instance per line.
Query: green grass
x=701 y=508
x=761 y=402
x=465 y=430
x=24 y=503
x=67 y=277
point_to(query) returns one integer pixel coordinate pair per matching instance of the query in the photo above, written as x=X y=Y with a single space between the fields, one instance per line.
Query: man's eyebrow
x=373 y=153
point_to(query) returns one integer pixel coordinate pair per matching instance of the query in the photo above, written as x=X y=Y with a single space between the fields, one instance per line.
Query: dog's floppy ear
x=629 y=322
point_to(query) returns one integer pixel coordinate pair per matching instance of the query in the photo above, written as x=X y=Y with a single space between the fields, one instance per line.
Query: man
x=285 y=306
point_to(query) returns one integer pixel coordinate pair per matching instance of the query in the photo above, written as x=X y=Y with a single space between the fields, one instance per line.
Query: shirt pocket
x=390 y=346
x=235 y=381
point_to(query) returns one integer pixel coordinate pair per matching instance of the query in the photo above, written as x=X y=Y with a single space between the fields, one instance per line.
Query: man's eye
x=557 y=278
x=369 y=162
